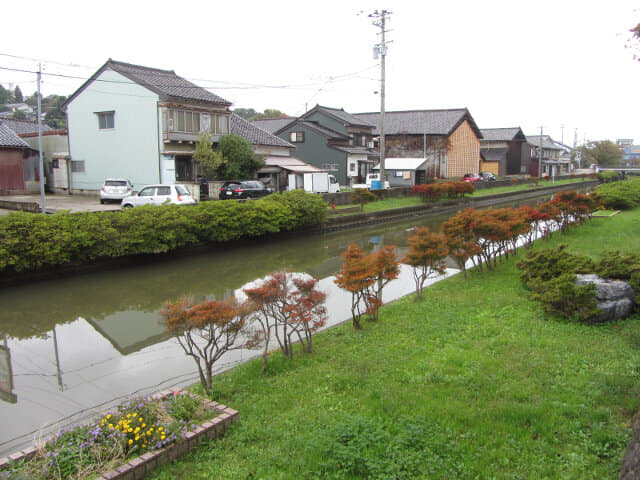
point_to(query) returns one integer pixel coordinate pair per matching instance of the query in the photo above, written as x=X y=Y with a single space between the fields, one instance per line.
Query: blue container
x=376 y=185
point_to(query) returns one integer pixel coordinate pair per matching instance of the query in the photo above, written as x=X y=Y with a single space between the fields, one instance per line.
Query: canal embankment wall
x=444 y=207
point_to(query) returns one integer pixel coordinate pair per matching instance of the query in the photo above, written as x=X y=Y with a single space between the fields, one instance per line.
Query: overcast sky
x=511 y=63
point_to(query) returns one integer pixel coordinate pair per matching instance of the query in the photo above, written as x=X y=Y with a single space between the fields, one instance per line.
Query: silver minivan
x=160 y=195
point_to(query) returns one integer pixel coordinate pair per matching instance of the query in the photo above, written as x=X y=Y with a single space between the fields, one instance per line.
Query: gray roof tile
x=415 y=122
x=256 y=136
x=165 y=82
x=9 y=138
x=345 y=117
x=272 y=125
x=500 y=134
x=23 y=127
x=547 y=142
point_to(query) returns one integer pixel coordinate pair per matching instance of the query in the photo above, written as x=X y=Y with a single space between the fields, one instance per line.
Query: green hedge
x=32 y=241
x=622 y=195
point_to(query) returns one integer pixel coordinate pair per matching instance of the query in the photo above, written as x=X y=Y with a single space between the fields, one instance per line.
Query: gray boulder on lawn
x=615 y=297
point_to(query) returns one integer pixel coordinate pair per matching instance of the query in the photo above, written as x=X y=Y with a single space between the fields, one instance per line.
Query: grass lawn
x=473 y=382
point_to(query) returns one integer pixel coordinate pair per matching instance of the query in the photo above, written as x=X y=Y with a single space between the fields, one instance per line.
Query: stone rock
x=615 y=297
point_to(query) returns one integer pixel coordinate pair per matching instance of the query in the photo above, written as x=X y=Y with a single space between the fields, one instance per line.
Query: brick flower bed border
x=138 y=467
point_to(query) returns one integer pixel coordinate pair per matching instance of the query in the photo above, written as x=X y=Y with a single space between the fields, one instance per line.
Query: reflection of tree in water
x=33 y=310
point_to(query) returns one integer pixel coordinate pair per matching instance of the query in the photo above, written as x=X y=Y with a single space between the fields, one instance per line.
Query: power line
x=240 y=86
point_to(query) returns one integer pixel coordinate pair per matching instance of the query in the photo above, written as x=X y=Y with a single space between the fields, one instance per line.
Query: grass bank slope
x=473 y=382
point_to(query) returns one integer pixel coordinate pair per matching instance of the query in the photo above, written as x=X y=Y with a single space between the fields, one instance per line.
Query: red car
x=471 y=177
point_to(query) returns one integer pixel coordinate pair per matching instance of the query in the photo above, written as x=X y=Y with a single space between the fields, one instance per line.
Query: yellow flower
x=128 y=415
x=109 y=416
x=162 y=437
x=134 y=414
x=137 y=429
x=137 y=438
x=144 y=425
x=130 y=442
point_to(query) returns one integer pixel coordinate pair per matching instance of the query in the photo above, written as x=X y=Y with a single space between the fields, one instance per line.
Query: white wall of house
x=272 y=150
x=129 y=149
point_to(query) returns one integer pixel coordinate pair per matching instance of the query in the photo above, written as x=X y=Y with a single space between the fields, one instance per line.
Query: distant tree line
x=250 y=114
x=54 y=116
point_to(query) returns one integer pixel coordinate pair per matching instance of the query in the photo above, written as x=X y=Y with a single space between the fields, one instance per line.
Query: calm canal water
x=81 y=345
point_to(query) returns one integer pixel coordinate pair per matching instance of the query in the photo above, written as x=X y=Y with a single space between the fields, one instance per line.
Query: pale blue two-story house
x=141 y=123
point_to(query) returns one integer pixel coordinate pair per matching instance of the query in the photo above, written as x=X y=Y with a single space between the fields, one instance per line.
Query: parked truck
x=317 y=182
x=373 y=183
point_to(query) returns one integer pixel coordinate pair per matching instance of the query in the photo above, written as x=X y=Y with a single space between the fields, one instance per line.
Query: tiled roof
x=9 y=138
x=355 y=149
x=500 y=134
x=417 y=122
x=272 y=125
x=324 y=131
x=547 y=143
x=22 y=127
x=339 y=113
x=255 y=136
x=163 y=82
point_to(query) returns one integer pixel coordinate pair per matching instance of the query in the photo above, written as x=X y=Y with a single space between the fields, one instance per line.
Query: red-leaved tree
x=206 y=331
x=427 y=251
x=288 y=306
x=365 y=276
x=462 y=242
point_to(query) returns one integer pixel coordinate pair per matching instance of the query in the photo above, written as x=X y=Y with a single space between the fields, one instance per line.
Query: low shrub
x=560 y=296
x=622 y=195
x=542 y=265
x=436 y=191
x=606 y=176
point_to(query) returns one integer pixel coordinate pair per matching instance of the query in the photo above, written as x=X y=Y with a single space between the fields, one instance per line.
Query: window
x=296 y=137
x=352 y=167
x=163 y=191
x=195 y=122
x=146 y=192
x=330 y=167
x=77 y=166
x=398 y=173
x=106 y=120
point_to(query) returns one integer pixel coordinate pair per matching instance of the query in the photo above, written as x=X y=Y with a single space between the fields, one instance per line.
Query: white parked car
x=115 y=189
x=160 y=195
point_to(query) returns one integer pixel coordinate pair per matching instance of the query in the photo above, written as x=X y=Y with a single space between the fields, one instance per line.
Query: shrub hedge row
x=622 y=195
x=29 y=241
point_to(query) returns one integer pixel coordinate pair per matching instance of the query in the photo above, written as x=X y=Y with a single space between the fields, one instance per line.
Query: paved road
x=53 y=203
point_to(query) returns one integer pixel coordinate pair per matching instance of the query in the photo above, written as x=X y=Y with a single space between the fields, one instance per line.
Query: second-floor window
x=106 y=120
x=195 y=122
x=296 y=137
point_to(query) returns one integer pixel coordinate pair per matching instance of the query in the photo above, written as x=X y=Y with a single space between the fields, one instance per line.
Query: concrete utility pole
x=41 y=162
x=540 y=156
x=379 y=20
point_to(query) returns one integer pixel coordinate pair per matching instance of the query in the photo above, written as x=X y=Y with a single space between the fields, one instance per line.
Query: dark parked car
x=243 y=189
x=488 y=176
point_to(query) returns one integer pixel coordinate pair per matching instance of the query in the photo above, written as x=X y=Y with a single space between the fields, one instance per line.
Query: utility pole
x=41 y=162
x=540 y=156
x=380 y=20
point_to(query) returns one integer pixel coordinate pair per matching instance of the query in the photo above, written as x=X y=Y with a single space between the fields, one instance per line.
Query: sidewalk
x=54 y=203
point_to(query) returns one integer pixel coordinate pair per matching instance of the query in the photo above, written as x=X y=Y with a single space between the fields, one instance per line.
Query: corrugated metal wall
x=11 y=171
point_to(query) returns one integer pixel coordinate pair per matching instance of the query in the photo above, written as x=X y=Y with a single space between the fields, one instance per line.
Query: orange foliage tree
x=461 y=239
x=206 y=331
x=427 y=251
x=289 y=306
x=364 y=276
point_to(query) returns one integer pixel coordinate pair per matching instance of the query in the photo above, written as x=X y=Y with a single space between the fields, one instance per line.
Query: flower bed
x=126 y=443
